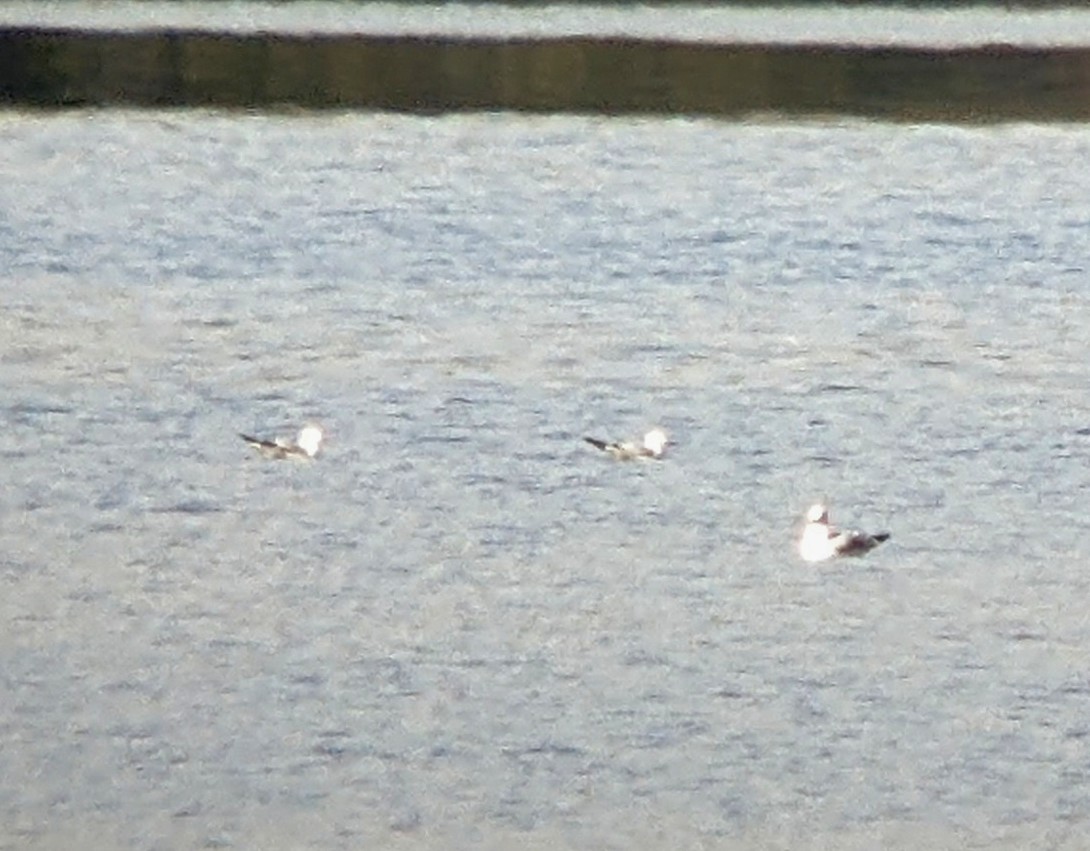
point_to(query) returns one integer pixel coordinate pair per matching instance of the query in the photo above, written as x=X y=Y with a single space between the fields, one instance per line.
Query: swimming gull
x=306 y=445
x=653 y=445
x=821 y=541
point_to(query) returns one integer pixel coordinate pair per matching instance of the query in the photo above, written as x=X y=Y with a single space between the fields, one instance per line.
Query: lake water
x=832 y=23
x=462 y=627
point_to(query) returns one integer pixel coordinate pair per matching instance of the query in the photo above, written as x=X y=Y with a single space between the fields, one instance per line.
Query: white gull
x=653 y=445
x=306 y=445
x=821 y=541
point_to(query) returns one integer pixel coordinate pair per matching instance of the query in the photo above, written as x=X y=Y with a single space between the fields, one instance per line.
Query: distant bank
x=56 y=67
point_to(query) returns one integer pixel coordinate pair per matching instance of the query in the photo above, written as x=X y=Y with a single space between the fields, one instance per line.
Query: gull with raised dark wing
x=822 y=541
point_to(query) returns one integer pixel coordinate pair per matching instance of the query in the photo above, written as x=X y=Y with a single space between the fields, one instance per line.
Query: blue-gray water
x=832 y=23
x=461 y=627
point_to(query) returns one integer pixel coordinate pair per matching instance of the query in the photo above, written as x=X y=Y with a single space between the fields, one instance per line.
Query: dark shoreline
x=42 y=67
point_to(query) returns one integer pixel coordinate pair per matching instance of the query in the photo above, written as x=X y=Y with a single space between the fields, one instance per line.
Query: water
x=460 y=626
x=839 y=24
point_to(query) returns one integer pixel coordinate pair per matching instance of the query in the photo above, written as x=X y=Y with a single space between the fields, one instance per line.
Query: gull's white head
x=818 y=513
x=310 y=439
x=655 y=441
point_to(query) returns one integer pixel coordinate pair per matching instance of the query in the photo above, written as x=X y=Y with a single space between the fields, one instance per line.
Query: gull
x=305 y=446
x=821 y=541
x=654 y=444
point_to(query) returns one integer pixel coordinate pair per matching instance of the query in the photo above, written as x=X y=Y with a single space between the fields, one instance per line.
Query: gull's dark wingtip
x=596 y=443
x=881 y=536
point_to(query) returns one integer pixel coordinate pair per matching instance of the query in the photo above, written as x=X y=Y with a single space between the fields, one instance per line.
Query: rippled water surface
x=460 y=626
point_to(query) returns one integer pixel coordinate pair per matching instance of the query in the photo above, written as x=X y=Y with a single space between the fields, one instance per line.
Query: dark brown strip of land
x=60 y=68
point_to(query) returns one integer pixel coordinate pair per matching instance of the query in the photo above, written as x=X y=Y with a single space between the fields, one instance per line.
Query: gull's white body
x=305 y=446
x=652 y=446
x=822 y=541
